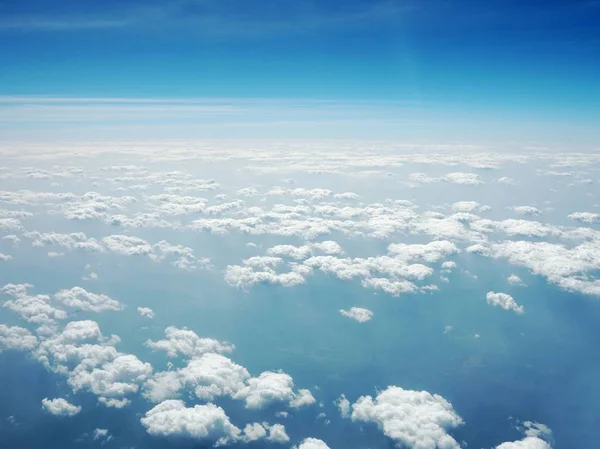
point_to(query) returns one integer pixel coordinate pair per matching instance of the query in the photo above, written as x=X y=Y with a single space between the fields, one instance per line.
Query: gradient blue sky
x=521 y=64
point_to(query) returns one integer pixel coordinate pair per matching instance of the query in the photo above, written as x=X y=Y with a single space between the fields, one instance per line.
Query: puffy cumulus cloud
x=537 y=436
x=146 y=312
x=329 y=247
x=413 y=419
x=525 y=443
x=5 y=257
x=469 y=179
x=202 y=422
x=255 y=431
x=429 y=252
x=503 y=301
x=12 y=239
x=513 y=279
x=10 y=225
x=569 y=268
x=506 y=180
x=585 y=217
x=391 y=287
x=16 y=338
x=277 y=434
x=245 y=276
x=312 y=443
x=271 y=387
x=102 y=435
x=182 y=256
x=112 y=380
x=290 y=251
x=343 y=405
x=79 y=298
x=187 y=343
x=36 y=309
x=60 y=407
x=469 y=206
x=213 y=375
x=90 y=362
x=358 y=314
x=209 y=376
x=526 y=210
x=73 y=241
x=127 y=245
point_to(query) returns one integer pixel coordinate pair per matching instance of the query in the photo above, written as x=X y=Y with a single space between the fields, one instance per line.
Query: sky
x=429 y=70
x=299 y=225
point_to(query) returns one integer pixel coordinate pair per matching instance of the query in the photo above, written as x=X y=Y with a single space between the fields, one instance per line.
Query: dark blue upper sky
x=541 y=57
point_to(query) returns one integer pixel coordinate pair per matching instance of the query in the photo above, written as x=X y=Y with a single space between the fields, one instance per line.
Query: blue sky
x=519 y=66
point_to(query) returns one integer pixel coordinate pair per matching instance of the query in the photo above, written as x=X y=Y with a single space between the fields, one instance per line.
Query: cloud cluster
x=358 y=314
x=413 y=419
x=60 y=407
x=503 y=301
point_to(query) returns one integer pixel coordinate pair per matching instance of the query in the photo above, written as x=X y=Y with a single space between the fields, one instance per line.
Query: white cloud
x=526 y=210
x=414 y=419
x=16 y=338
x=60 y=407
x=503 y=301
x=102 y=435
x=255 y=431
x=313 y=443
x=343 y=406
x=146 y=312
x=79 y=298
x=357 y=313
x=290 y=252
x=513 y=279
x=469 y=206
x=270 y=387
x=209 y=376
x=5 y=257
x=202 y=422
x=506 y=180
x=278 y=434
x=585 y=217
x=462 y=178
x=525 y=443
x=186 y=343
x=32 y=308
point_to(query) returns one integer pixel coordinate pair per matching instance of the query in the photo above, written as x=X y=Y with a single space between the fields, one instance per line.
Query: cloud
x=90 y=362
x=202 y=422
x=102 y=435
x=270 y=387
x=79 y=298
x=507 y=181
x=146 y=312
x=32 y=308
x=585 y=217
x=469 y=179
x=468 y=206
x=513 y=279
x=186 y=343
x=60 y=407
x=359 y=314
x=537 y=436
x=208 y=376
x=413 y=419
x=525 y=443
x=313 y=443
x=343 y=406
x=526 y=210
x=16 y=338
x=503 y=301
